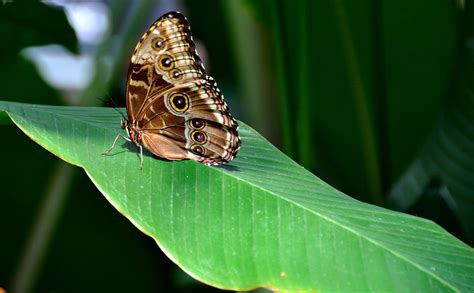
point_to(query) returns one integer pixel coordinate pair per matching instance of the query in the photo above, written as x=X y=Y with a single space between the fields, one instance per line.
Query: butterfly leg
x=141 y=157
x=115 y=141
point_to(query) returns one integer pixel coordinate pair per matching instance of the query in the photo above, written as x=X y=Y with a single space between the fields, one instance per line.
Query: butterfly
x=175 y=110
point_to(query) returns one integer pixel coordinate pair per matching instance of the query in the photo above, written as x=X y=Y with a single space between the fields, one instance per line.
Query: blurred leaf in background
x=444 y=169
x=362 y=85
x=24 y=29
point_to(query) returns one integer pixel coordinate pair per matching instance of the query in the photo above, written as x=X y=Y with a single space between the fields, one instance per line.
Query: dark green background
x=295 y=71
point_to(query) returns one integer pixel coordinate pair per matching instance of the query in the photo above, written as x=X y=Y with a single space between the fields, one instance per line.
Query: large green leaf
x=262 y=220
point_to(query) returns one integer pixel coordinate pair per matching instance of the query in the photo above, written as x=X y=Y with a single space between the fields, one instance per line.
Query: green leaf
x=261 y=220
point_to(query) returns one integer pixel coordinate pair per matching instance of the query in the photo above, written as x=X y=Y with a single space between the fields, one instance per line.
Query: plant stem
x=251 y=53
x=113 y=52
x=281 y=74
x=304 y=129
x=43 y=227
x=368 y=139
x=381 y=100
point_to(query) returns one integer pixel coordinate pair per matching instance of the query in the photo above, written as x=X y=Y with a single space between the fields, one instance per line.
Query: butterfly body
x=175 y=110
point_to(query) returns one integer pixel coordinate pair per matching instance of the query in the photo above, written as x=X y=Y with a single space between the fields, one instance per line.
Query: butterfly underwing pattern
x=175 y=110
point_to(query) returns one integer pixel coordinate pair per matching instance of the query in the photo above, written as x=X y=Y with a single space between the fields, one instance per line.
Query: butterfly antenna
x=121 y=114
x=114 y=106
x=104 y=101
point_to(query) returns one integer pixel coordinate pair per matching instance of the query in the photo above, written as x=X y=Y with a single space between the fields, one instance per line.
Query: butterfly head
x=133 y=132
x=124 y=123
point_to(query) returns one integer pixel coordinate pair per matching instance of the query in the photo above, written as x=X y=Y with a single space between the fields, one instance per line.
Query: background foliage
x=375 y=97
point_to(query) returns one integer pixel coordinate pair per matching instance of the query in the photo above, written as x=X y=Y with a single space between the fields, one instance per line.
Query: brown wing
x=164 y=57
x=170 y=99
x=191 y=122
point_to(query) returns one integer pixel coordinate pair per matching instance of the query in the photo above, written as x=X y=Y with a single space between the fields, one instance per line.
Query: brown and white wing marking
x=174 y=109
x=164 y=57
x=191 y=122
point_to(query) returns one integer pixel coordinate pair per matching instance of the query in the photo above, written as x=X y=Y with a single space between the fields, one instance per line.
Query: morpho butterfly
x=175 y=110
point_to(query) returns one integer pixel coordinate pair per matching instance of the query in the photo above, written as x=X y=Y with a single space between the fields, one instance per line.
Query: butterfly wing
x=179 y=109
x=164 y=57
x=203 y=129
